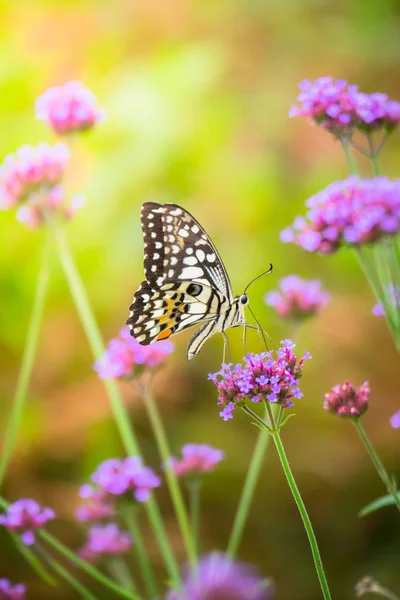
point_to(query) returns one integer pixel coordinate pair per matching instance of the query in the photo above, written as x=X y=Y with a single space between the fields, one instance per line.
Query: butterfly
x=186 y=281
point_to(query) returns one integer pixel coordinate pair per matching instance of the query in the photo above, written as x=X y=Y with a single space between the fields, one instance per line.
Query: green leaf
x=377 y=504
x=286 y=420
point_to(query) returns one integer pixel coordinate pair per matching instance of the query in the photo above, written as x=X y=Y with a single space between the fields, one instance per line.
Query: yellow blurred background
x=197 y=94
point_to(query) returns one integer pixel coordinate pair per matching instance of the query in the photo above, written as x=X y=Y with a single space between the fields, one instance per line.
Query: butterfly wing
x=186 y=281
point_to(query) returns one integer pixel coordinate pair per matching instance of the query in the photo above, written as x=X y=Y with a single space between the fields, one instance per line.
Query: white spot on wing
x=195 y=229
x=200 y=255
x=211 y=257
x=191 y=273
x=190 y=260
x=158 y=245
x=183 y=233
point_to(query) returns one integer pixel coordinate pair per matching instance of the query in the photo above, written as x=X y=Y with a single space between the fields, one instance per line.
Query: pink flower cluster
x=395 y=420
x=98 y=505
x=8 y=591
x=117 y=476
x=30 y=170
x=69 y=108
x=125 y=357
x=105 y=540
x=24 y=517
x=297 y=298
x=347 y=401
x=196 y=458
x=340 y=107
x=262 y=377
x=40 y=205
x=350 y=212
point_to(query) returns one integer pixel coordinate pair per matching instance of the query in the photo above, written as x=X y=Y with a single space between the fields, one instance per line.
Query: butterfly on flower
x=186 y=282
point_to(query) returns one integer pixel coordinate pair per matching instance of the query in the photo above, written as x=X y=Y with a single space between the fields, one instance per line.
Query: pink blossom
x=347 y=401
x=98 y=505
x=50 y=203
x=11 y=592
x=105 y=540
x=196 y=458
x=395 y=420
x=297 y=298
x=69 y=108
x=118 y=476
x=24 y=517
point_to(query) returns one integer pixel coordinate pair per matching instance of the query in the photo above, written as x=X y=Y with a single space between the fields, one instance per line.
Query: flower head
x=297 y=298
x=40 y=205
x=262 y=377
x=347 y=401
x=395 y=420
x=105 y=540
x=220 y=578
x=69 y=108
x=119 y=476
x=196 y=458
x=32 y=169
x=350 y=212
x=340 y=107
x=11 y=592
x=125 y=357
x=24 y=517
x=98 y=505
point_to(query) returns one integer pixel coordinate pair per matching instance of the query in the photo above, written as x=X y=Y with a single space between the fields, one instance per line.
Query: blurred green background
x=197 y=94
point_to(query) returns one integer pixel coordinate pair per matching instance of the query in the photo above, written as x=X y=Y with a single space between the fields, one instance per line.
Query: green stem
x=172 y=481
x=85 y=566
x=380 y=469
x=349 y=156
x=144 y=563
x=120 y=414
x=304 y=515
x=247 y=494
x=29 y=555
x=119 y=570
x=194 y=488
x=27 y=359
x=375 y=164
x=254 y=416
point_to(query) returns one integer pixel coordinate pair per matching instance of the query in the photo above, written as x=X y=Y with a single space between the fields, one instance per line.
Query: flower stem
x=380 y=469
x=87 y=567
x=119 y=570
x=247 y=494
x=194 y=489
x=120 y=414
x=27 y=359
x=304 y=515
x=375 y=164
x=144 y=563
x=349 y=156
x=172 y=481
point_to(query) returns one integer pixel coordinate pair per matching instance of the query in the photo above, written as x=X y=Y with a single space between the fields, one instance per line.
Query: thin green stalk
x=349 y=156
x=172 y=481
x=28 y=359
x=304 y=515
x=119 y=570
x=375 y=164
x=87 y=567
x=194 y=489
x=143 y=560
x=367 y=585
x=30 y=556
x=380 y=469
x=120 y=414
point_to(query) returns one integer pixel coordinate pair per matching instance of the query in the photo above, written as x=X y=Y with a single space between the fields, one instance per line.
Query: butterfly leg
x=226 y=347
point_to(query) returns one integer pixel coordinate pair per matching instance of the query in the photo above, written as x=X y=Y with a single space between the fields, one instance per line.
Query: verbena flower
x=297 y=298
x=119 y=476
x=47 y=203
x=30 y=170
x=220 y=578
x=350 y=212
x=11 y=592
x=395 y=420
x=340 y=107
x=262 y=377
x=98 y=505
x=24 y=517
x=69 y=108
x=346 y=400
x=125 y=357
x=196 y=458
x=105 y=540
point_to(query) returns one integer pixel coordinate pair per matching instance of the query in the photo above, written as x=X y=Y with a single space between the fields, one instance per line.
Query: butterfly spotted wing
x=186 y=282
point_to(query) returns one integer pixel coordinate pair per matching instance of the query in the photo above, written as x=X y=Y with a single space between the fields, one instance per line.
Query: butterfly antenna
x=259 y=277
x=259 y=328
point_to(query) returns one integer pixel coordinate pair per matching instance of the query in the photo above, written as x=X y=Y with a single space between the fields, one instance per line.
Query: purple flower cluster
x=395 y=420
x=105 y=540
x=347 y=401
x=262 y=377
x=196 y=458
x=124 y=356
x=340 y=107
x=98 y=505
x=117 y=476
x=220 y=578
x=8 y=591
x=69 y=108
x=24 y=517
x=297 y=298
x=353 y=211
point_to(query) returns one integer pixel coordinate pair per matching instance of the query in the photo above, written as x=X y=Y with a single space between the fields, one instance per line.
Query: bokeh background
x=197 y=95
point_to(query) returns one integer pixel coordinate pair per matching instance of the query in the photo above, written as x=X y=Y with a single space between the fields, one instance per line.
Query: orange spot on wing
x=164 y=334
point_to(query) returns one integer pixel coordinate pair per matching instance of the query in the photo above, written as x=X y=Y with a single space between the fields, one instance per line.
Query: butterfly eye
x=194 y=289
x=244 y=299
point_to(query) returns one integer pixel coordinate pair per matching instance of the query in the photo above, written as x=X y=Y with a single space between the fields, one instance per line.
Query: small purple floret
x=395 y=420
x=25 y=517
x=119 y=476
x=196 y=458
x=9 y=591
x=297 y=298
x=105 y=540
x=347 y=401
